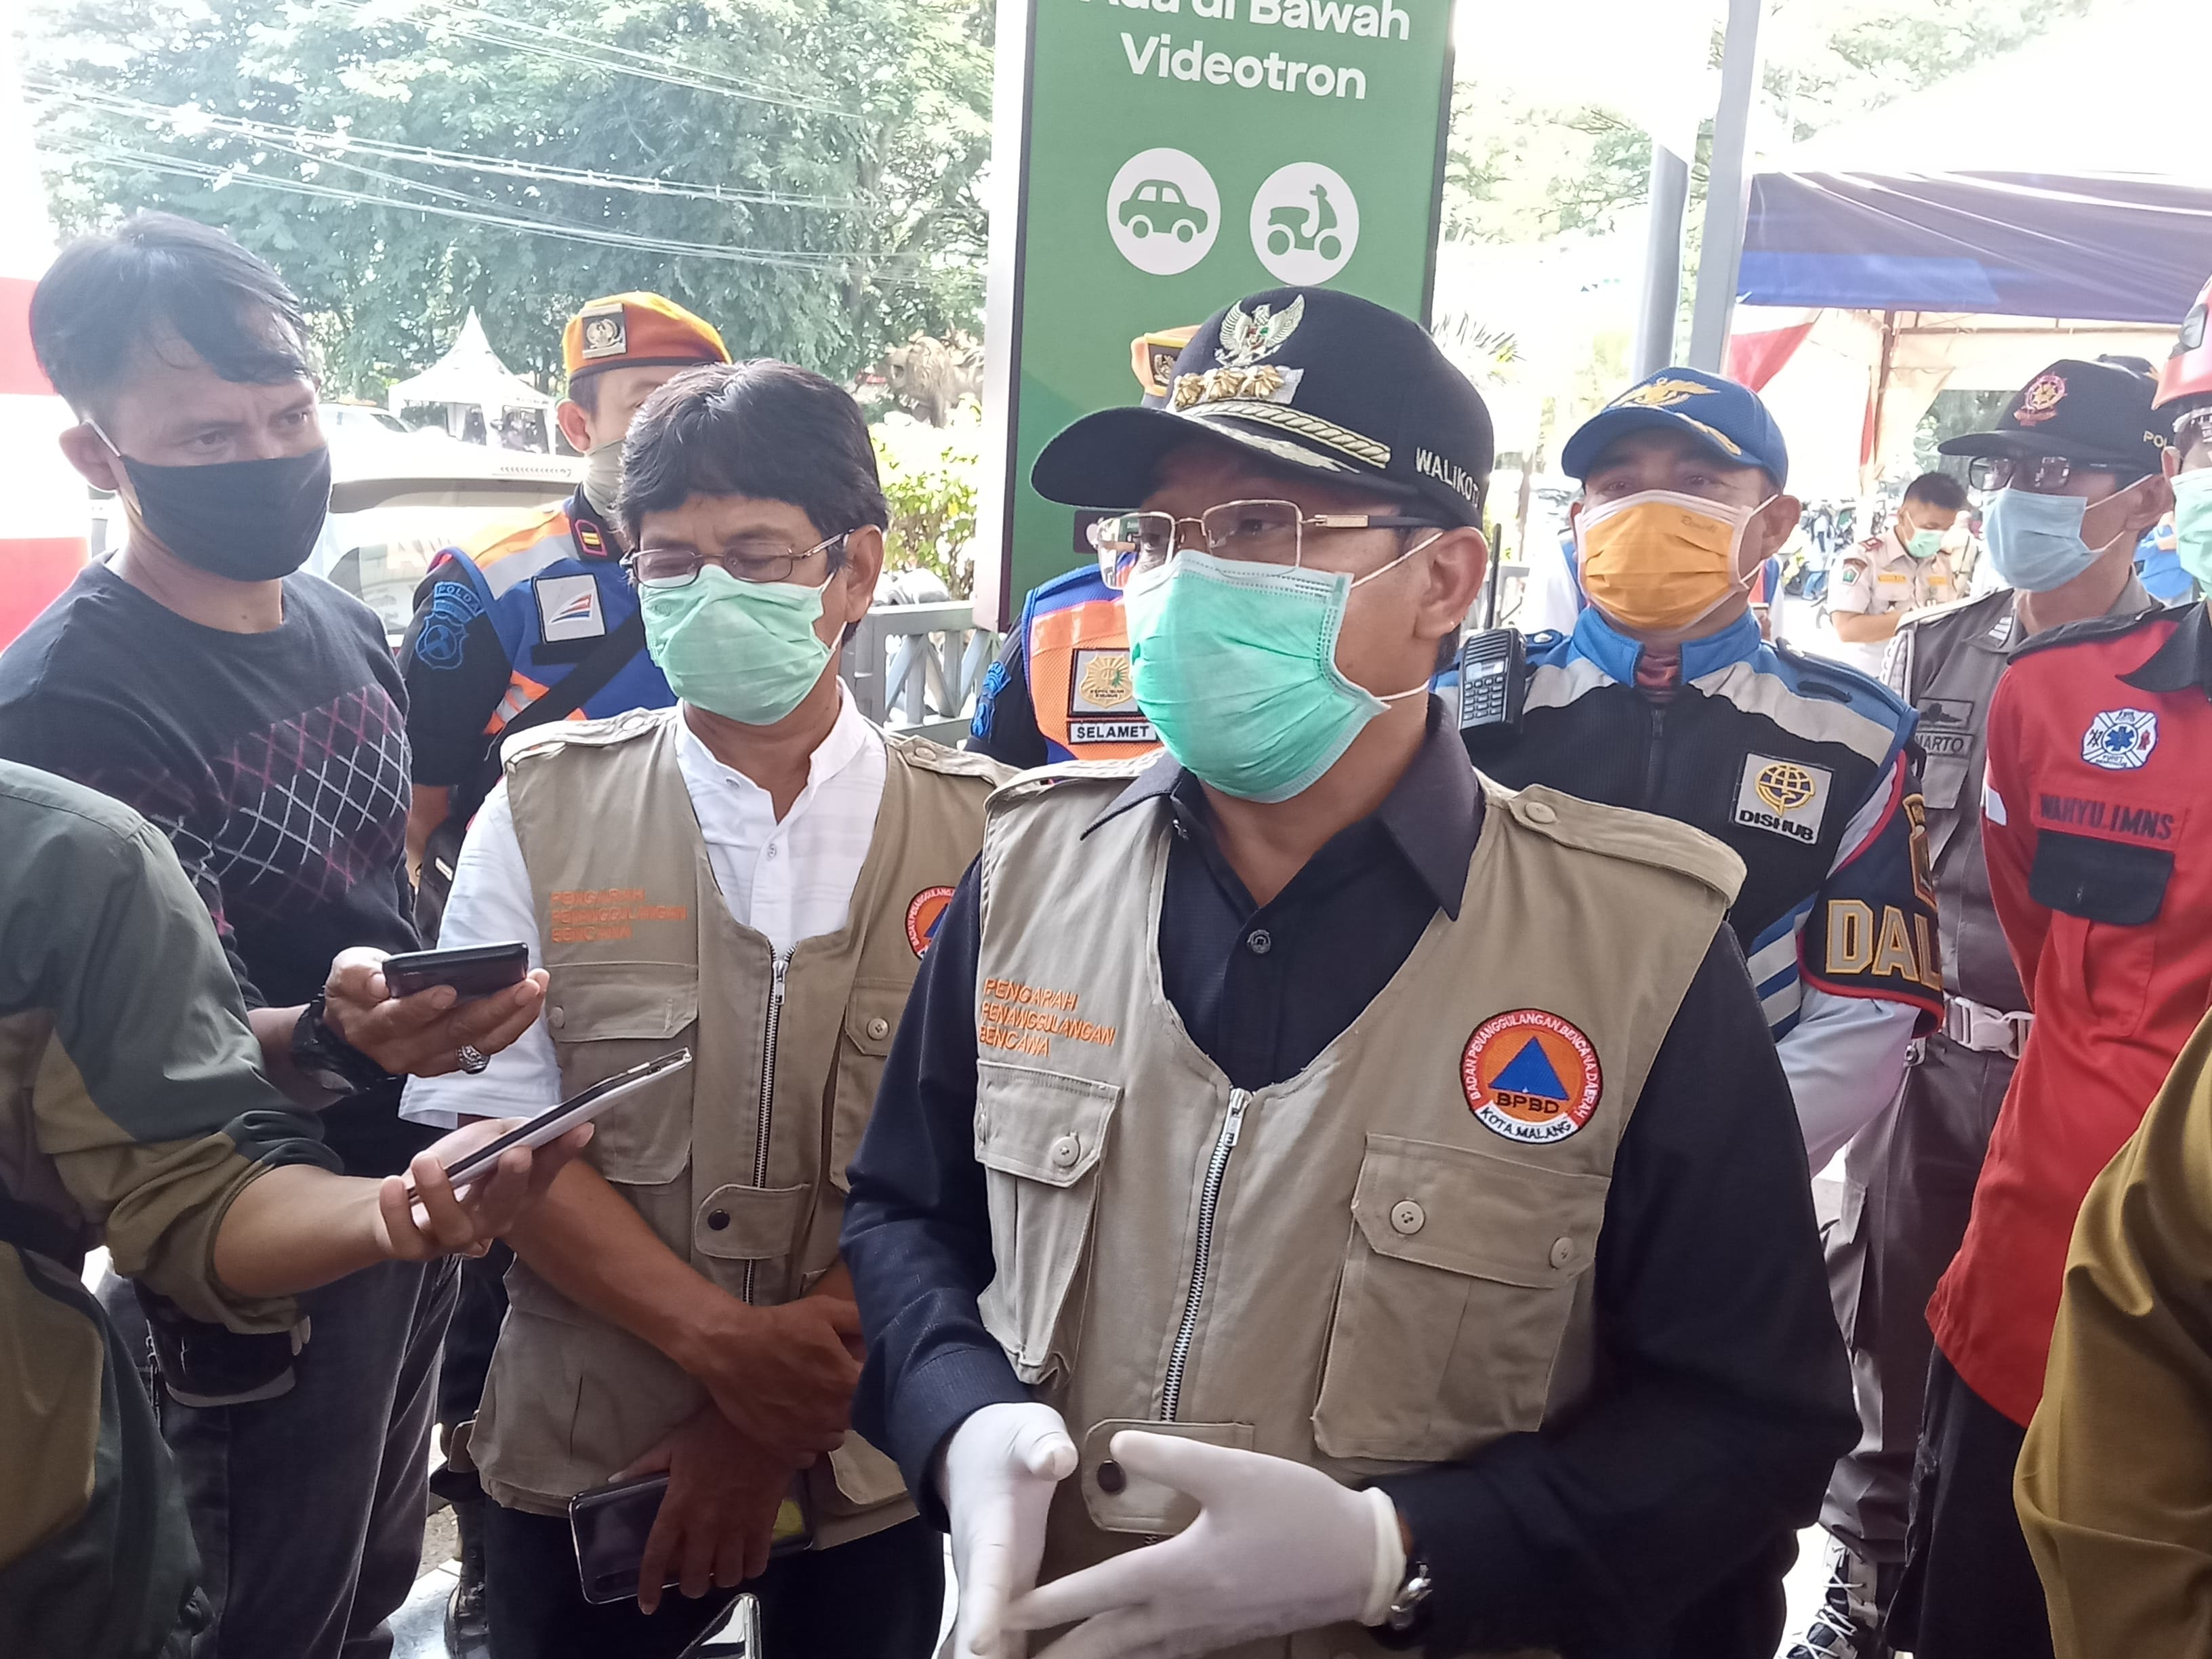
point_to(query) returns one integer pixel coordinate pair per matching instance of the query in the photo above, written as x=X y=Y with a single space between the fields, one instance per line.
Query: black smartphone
x=610 y=1525
x=557 y=1120
x=473 y=970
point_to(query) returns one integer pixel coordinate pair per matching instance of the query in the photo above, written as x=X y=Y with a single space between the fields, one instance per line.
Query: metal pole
x=1660 y=304
x=1728 y=188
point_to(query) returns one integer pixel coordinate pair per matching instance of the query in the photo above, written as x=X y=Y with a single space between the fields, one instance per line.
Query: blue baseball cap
x=1728 y=419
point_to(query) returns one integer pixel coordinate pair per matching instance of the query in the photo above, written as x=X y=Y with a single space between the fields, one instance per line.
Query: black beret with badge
x=1313 y=380
x=2092 y=414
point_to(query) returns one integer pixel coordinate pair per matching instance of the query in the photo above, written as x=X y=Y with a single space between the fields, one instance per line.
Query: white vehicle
x=398 y=498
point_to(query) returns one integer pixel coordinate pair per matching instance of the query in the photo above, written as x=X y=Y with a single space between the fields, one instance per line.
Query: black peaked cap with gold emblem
x=2094 y=413
x=1311 y=379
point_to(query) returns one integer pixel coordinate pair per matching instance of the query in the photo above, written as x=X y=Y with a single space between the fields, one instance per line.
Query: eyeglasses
x=2193 y=428
x=2004 y=472
x=749 y=559
x=1256 y=532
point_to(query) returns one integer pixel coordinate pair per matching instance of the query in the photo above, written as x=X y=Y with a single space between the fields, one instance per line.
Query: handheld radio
x=1492 y=683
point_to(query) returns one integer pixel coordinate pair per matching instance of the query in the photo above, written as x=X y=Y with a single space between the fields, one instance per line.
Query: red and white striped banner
x=45 y=514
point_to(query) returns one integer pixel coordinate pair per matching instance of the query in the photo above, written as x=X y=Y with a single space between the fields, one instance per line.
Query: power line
x=320 y=143
x=471 y=24
x=459 y=7
x=184 y=167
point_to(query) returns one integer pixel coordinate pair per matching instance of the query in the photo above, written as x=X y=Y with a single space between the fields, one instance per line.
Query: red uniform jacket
x=2096 y=811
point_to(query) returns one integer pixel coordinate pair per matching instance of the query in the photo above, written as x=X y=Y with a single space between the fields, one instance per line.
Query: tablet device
x=552 y=1124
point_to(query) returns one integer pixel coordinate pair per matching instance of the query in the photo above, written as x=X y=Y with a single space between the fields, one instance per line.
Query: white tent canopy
x=1850 y=396
x=472 y=376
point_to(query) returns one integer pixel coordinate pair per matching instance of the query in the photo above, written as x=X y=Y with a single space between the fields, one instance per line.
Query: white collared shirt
x=789 y=880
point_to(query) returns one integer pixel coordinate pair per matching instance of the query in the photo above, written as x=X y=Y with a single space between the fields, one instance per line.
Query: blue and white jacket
x=1806 y=769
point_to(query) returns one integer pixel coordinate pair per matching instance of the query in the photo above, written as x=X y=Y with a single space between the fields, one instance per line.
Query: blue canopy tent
x=2036 y=185
x=2120 y=248
x=1966 y=235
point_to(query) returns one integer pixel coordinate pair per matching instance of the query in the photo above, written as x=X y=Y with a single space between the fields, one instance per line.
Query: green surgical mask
x=2192 y=525
x=1924 y=544
x=1234 y=665
x=746 y=650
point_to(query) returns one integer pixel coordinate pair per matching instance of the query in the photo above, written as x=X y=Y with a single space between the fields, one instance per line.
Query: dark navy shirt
x=1658 y=1522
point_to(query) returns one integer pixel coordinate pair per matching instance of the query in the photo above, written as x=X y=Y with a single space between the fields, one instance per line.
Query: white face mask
x=603 y=476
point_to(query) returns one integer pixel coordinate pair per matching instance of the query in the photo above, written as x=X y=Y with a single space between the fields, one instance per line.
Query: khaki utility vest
x=1380 y=1262
x=738 y=1162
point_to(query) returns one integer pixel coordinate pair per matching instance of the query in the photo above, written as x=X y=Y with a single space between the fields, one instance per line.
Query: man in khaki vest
x=753 y=875
x=1318 y=1200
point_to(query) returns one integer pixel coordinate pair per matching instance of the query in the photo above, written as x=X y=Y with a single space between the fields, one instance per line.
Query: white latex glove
x=1001 y=1466
x=1277 y=1547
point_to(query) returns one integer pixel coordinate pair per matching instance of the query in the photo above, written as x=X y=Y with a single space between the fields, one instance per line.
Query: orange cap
x=2188 y=372
x=637 y=330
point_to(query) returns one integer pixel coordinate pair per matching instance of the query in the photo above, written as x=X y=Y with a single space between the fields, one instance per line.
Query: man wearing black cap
x=1910 y=1176
x=2096 y=735
x=1378 y=1181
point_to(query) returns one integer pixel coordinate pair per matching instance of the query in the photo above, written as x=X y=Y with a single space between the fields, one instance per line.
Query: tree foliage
x=1522 y=171
x=831 y=148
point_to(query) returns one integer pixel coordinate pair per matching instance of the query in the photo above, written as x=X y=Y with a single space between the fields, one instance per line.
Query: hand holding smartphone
x=557 y=1121
x=611 y=1524
x=473 y=970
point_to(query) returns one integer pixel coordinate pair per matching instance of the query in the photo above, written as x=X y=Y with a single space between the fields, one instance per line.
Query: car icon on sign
x=1156 y=204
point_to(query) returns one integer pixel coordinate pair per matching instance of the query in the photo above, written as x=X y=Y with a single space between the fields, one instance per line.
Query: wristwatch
x=327 y=1060
x=1406 y=1622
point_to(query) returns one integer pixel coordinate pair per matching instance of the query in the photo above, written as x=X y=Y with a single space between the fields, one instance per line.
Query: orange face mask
x=1658 y=562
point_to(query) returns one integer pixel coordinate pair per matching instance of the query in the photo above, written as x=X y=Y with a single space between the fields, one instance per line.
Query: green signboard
x=1158 y=158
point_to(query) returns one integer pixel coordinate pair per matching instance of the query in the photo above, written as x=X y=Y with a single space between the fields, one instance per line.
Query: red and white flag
x=44 y=512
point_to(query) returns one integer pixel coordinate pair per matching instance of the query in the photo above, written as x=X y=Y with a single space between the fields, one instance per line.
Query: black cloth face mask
x=250 y=521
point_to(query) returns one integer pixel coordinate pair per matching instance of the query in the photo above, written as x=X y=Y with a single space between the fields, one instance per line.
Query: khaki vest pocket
x=1136 y=1504
x=872 y=1020
x=750 y=1224
x=1039 y=1136
x=863 y=1478
x=1458 y=1277
x=606 y=1017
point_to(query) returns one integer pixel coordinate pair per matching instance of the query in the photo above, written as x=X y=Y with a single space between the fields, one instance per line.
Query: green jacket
x=2116 y=1475
x=132 y=1111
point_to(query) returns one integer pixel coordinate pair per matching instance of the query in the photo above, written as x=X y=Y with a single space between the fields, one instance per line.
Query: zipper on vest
x=1653 y=762
x=776 y=990
x=1202 y=1257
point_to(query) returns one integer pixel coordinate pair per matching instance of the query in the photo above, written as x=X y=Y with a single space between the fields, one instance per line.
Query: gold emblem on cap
x=1245 y=339
x=1660 y=394
x=2041 y=400
x=1263 y=383
x=1714 y=435
x=605 y=332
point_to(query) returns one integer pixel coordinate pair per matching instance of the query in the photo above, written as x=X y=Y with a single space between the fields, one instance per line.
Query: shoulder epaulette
x=1618 y=832
x=508 y=535
x=951 y=762
x=582 y=734
x=1841 y=682
x=1092 y=776
x=1082 y=575
x=2092 y=628
x=1929 y=613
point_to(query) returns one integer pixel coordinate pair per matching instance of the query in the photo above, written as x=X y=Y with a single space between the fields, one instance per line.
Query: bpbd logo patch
x=1530 y=1076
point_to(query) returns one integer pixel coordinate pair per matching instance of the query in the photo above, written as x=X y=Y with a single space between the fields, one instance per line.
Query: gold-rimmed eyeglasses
x=1256 y=532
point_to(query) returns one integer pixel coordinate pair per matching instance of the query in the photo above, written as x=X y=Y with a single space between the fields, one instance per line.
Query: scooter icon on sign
x=1291 y=228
